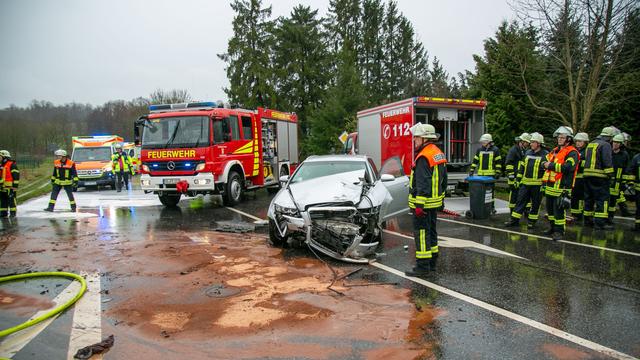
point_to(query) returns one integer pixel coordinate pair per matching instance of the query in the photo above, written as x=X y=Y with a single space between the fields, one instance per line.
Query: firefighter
x=529 y=178
x=620 y=159
x=513 y=163
x=577 y=195
x=633 y=176
x=561 y=167
x=64 y=177
x=598 y=168
x=488 y=161
x=427 y=186
x=9 y=185
x=122 y=167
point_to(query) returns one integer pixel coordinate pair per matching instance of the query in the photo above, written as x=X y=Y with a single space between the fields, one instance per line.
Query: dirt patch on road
x=562 y=352
x=22 y=305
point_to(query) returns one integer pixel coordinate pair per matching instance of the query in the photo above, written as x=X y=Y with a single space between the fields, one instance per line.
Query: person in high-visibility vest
x=513 y=163
x=64 y=177
x=529 y=178
x=633 y=177
x=9 y=183
x=488 y=162
x=122 y=167
x=598 y=168
x=577 y=195
x=561 y=166
x=620 y=160
x=427 y=186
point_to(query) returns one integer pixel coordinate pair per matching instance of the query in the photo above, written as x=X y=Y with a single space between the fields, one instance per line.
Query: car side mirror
x=387 y=177
x=284 y=179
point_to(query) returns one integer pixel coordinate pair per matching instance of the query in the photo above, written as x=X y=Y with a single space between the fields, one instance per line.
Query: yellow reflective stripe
x=516 y=215
x=434 y=181
x=591 y=147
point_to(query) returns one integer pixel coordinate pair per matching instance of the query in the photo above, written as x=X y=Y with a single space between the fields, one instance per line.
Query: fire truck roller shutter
x=283 y=140
x=369 y=126
x=293 y=142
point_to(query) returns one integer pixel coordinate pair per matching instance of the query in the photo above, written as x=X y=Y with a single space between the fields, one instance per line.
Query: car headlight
x=285 y=210
x=200 y=167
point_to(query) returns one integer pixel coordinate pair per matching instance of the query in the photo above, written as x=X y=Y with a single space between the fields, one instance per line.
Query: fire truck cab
x=205 y=148
x=386 y=130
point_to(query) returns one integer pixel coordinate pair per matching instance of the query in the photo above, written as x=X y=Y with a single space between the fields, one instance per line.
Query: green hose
x=51 y=313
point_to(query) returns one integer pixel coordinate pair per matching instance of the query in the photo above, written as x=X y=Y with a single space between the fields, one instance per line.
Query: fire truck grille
x=173 y=166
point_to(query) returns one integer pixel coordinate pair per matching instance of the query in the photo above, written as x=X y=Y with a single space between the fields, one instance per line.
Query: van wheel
x=233 y=190
x=169 y=200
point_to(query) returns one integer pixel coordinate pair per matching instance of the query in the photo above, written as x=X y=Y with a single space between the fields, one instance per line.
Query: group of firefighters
x=64 y=177
x=587 y=177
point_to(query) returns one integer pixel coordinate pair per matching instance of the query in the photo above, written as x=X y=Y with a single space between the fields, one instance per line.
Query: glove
x=420 y=212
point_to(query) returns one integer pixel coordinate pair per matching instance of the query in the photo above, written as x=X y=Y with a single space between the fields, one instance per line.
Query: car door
x=398 y=188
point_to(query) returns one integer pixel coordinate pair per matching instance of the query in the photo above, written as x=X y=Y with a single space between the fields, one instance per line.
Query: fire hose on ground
x=57 y=310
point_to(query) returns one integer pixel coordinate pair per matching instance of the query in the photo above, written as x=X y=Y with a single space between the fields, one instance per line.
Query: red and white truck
x=383 y=132
x=204 y=148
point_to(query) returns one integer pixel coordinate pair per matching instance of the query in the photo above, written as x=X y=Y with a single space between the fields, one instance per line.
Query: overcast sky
x=92 y=51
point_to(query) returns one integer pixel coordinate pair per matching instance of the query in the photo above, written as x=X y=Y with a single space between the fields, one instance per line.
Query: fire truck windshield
x=81 y=154
x=176 y=132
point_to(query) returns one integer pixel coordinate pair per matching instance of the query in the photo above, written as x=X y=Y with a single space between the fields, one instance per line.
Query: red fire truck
x=205 y=148
x=386 y=130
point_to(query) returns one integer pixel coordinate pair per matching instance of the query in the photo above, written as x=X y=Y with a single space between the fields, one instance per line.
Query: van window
x=247 y=129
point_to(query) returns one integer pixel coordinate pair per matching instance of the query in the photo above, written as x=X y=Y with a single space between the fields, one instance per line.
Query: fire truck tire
x=274 y=238
x=233 y=190
x=169 y=200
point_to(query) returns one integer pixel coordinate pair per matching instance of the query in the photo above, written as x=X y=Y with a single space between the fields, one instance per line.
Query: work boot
x=578 y=217
x=49 y=209
x=550 y=230
x=73 y=209
x=513 y=222
x=624 y=210
x=13 y=214
x=557 y=235
x=531 y=224
x=418 y=271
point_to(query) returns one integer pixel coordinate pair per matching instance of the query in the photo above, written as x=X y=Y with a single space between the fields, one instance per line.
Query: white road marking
x=446 y=241
x=540 y=237
x=87 y=326
x=506 y=313
x=16 y=341
x=245 y=214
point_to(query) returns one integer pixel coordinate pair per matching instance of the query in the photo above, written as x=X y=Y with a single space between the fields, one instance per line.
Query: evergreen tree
x=372 y=51
x=439 y=80
x=249 y=68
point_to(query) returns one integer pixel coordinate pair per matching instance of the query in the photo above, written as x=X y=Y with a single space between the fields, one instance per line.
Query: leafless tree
x=174 y=96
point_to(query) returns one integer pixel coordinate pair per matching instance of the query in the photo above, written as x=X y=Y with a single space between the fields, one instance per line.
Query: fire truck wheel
x=233 y=190
x=274 y=238
x=169 y=200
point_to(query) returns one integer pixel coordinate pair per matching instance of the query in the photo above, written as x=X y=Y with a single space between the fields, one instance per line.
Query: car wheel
x=233 y=190
x=169 y=200
x=274 y=237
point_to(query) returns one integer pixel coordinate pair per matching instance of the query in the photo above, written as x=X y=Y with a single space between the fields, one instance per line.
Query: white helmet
x=563 y=130
x=486 y=137
x=526 y=137
x=426 y=131
x=5 y=153
x=118 y=146
x=618 y=138
x=60 y=152
x=627 y=137
x=537 y=137
x=581 y=136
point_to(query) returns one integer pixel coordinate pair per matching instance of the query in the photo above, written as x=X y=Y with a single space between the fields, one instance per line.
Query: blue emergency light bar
x=201 y=104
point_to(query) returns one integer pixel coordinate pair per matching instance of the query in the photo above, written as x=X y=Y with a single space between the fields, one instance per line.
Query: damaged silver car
x=336 y=204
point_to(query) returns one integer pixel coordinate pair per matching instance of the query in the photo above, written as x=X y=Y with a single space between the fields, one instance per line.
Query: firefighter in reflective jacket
x=620 y=160
x=8 y=185
x=561 y=166
x=577 y=195
x=122 y=167
x=488 y=161
x=426 y=195
x=633 y=177
x=598 y=168
x=64 y=177
x=513 y=163
x=529 y=178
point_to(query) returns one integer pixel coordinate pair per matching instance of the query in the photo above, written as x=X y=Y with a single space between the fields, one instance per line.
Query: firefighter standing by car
x=577 y=195
x=598 y=168
x=64 y=177
x=488 y=161
x=122 y=167
x=633 y=178
x=427 y=187
x=620 y=160
x=9 y=185
x=529 y=178
x=561 y=167
x=513 y=163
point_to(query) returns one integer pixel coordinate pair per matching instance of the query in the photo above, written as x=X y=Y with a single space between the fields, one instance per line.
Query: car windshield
x=318 y=169
x=91 y=154
x=176 y=132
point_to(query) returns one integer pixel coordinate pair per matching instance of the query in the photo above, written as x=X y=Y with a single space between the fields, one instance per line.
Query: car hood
x=338 y=188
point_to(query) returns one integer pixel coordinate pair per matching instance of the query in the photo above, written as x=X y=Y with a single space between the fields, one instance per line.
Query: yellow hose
x=51 y=313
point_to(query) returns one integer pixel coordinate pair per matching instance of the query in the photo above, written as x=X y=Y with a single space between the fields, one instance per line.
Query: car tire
x=274 y=237
x=233 y=190
x=169 y=200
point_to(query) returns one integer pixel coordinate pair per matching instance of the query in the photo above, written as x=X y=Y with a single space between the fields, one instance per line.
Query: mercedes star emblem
x=171 y=165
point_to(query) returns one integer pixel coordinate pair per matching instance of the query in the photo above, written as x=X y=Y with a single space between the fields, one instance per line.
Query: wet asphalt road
x=588 y=292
